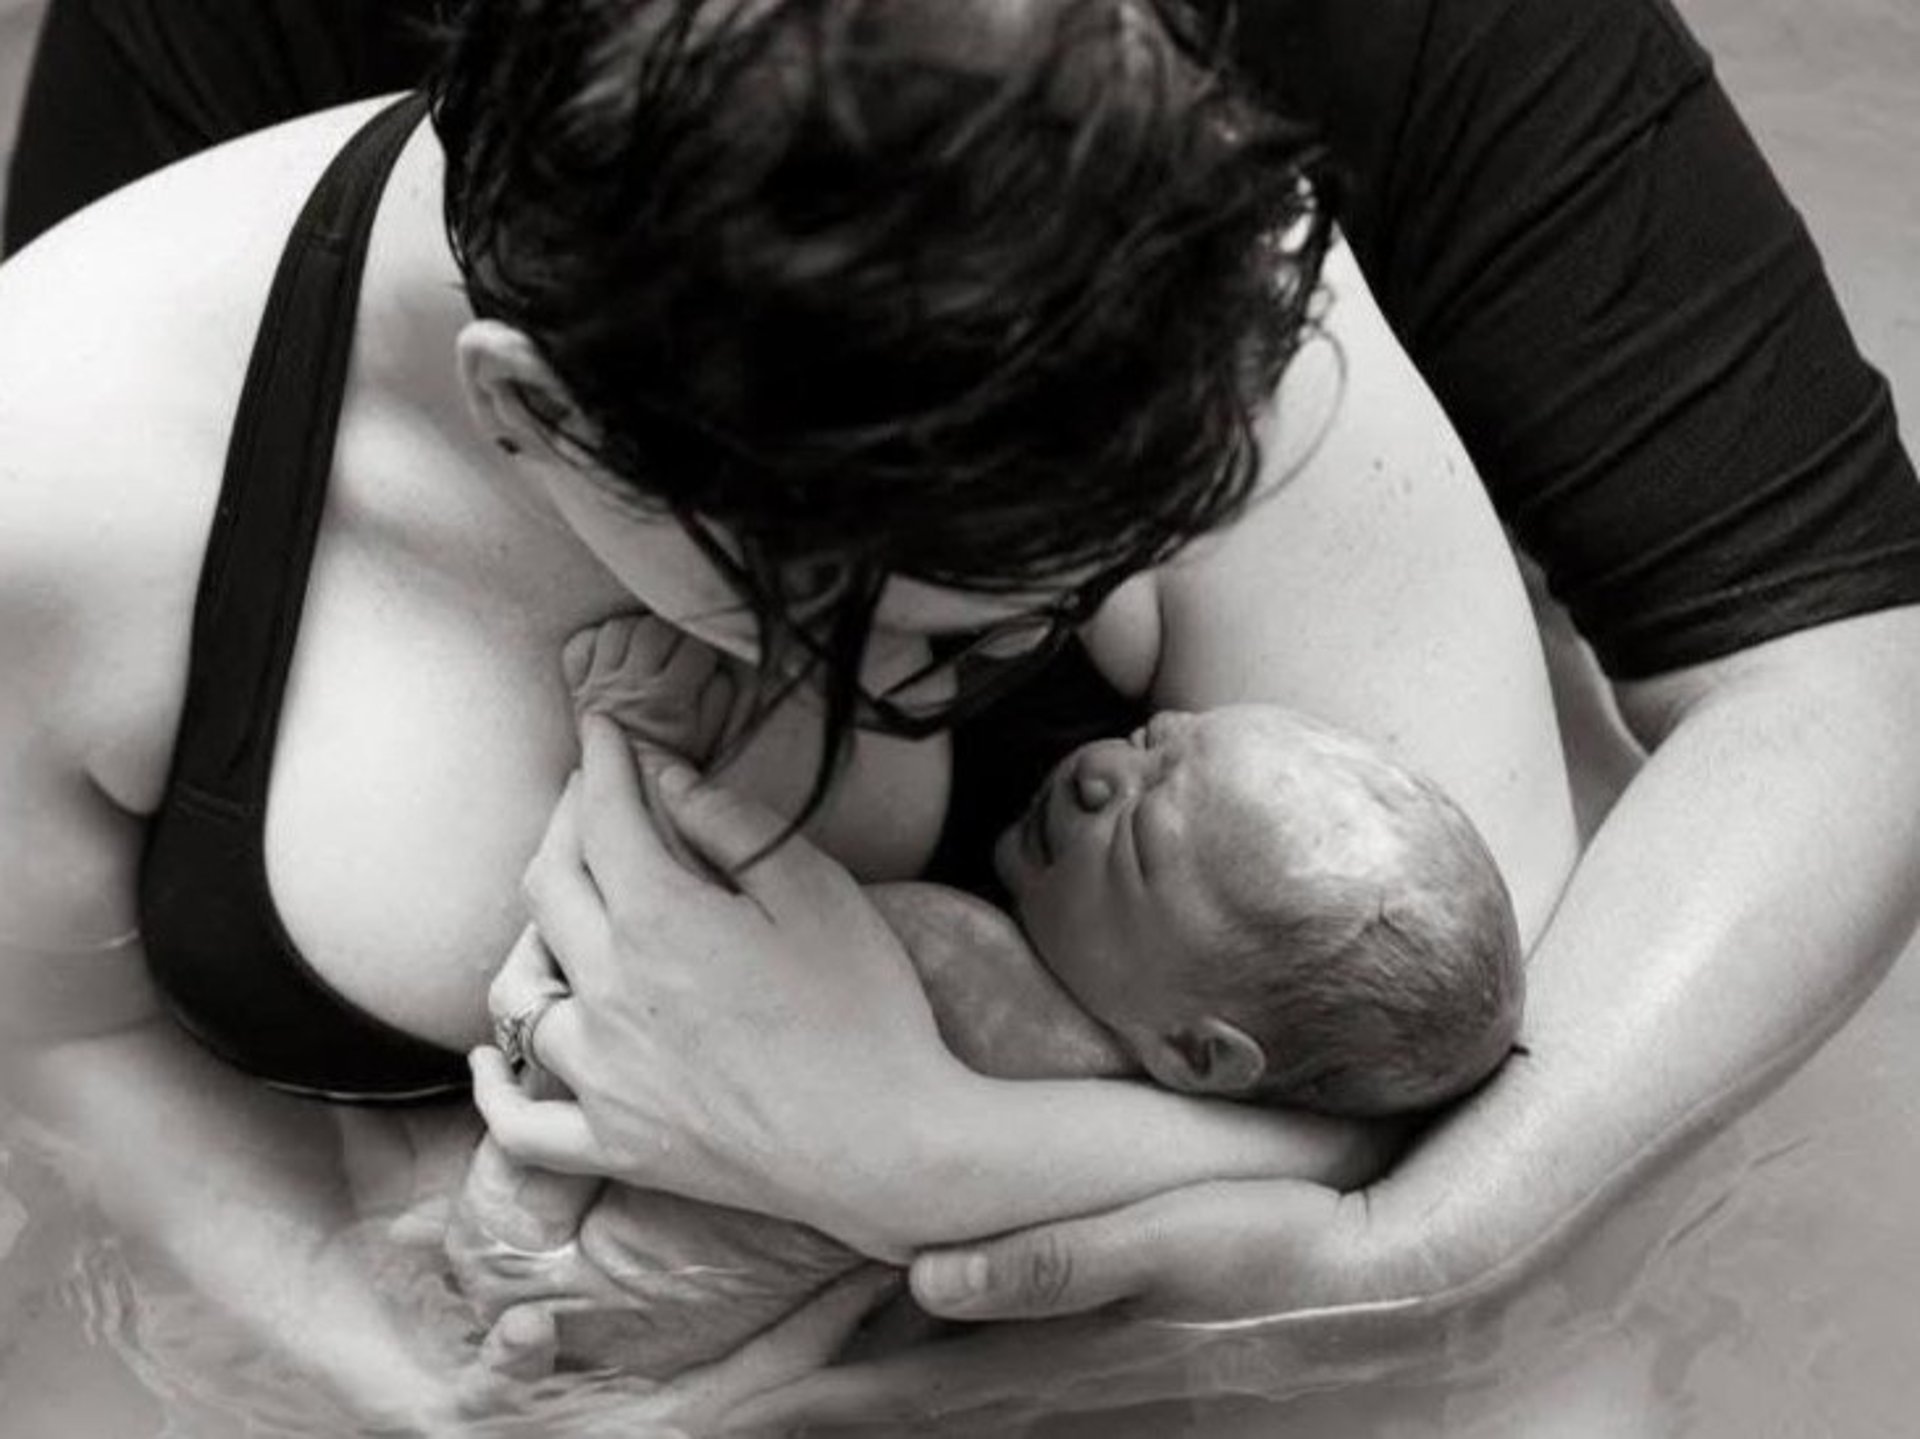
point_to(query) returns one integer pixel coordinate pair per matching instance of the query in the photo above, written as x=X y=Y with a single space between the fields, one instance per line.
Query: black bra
x=213 y=938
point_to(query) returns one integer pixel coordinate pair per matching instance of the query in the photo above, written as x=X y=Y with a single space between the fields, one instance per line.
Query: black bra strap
x=279 y=462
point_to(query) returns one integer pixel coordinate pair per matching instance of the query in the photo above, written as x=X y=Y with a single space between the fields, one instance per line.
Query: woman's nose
x=1105 y=772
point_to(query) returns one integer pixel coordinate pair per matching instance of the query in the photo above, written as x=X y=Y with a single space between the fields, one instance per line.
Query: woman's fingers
x=1064 y=1268
x=563 y=902
x=1181 y=1258
x=625 y=855
x=547 y=1133
x=653 y=764
x=525 y=975
x=619 y=844
x=734 y=833
x=535 y=1019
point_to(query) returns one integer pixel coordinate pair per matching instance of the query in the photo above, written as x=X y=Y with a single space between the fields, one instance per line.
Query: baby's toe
x=616 y=654
x=576 y=659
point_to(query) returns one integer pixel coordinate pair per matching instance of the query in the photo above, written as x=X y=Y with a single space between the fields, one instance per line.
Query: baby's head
x=1259 y=906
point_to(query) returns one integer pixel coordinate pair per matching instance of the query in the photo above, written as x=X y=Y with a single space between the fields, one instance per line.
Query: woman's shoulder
x=133 y=319
x=155 y=289
x=124 y=336
x=101 y=530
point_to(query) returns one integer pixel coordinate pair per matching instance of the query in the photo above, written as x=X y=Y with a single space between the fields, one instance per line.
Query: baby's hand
x=663 y=687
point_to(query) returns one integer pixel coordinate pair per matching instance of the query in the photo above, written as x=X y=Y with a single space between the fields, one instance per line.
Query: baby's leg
x=513 y=1239
x=512 y=1236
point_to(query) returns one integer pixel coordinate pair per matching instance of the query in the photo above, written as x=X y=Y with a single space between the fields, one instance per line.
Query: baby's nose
x=1104 y=773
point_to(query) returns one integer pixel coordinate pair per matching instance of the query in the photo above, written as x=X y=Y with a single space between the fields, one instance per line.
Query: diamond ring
x=513 y=1032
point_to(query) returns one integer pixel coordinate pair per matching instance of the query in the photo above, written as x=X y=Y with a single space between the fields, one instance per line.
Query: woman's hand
x=1227 y=1251
x=767 y=1047
x=1326 y=1286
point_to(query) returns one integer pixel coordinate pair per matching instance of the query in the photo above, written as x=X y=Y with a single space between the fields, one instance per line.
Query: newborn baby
x=1241 y=903
x=1258 y=907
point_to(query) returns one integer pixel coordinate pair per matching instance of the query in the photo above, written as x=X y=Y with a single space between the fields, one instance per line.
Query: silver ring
x=513 y=1033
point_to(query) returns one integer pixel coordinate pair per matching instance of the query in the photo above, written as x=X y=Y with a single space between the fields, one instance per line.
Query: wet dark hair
x=983 y=292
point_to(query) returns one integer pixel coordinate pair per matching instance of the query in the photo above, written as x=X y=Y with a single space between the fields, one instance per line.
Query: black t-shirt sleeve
x=120 y=88
x=1591 y=263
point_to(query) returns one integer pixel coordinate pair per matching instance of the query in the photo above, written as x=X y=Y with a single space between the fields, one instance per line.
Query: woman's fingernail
x=952 y=1278
x=676 y=780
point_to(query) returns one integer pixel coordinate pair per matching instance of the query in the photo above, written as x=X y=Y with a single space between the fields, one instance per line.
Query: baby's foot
x=662 y=686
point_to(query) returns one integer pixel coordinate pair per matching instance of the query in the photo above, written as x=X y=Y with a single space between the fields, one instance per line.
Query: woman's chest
x=424 y=741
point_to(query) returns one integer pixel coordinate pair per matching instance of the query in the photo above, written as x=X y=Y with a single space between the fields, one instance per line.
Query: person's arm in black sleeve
x=1596 y=271
x=1586 y=254
x=1590 y=260
x=120 y=88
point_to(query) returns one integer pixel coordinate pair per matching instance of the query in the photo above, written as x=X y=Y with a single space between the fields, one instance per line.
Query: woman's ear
x=520 y=405
x=1209 y=1056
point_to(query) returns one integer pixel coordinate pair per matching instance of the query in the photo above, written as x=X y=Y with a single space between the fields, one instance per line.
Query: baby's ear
x=1209 y=1056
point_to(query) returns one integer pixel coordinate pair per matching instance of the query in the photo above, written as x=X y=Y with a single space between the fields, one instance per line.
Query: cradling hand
x=1115 y=1307
x=764 y=1045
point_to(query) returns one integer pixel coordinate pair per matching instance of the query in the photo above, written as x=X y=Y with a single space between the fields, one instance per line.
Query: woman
x=1584 y=252
x=226 y=628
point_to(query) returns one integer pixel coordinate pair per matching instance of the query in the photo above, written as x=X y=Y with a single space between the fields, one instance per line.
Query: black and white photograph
x=996 y=719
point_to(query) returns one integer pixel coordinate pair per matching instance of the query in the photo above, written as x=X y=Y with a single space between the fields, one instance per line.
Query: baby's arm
x=999 y=1010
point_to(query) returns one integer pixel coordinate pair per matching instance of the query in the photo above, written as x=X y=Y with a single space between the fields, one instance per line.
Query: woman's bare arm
x=235 y=1186
x=1743 y=897
x=1371 y=585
